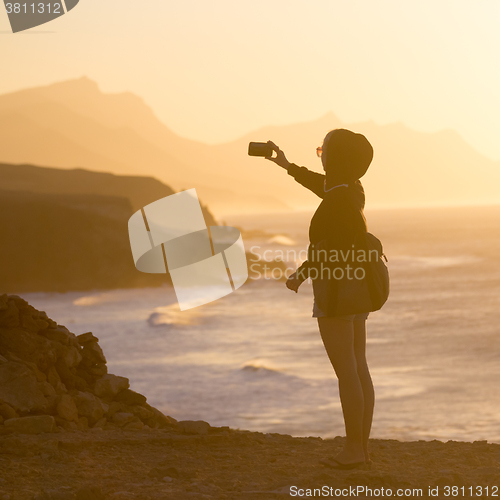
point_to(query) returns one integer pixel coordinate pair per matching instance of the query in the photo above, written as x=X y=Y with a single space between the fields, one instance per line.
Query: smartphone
x=260 y=149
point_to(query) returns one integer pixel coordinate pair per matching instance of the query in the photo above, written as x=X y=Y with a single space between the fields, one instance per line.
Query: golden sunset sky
x=215 y=70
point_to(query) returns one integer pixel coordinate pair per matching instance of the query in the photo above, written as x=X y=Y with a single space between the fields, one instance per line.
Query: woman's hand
x=280 y=158
x=293 y=282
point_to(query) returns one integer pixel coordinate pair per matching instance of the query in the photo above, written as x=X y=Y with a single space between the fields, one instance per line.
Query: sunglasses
x=319 y=151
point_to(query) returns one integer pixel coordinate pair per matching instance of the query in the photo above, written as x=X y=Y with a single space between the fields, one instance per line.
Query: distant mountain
x=73 y=124
x=68 y=229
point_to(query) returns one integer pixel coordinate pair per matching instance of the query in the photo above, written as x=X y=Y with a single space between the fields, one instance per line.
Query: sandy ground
x=233 y=464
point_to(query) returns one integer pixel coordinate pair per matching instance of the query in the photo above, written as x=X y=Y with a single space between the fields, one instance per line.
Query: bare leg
x=366 y=381
x=338 y=338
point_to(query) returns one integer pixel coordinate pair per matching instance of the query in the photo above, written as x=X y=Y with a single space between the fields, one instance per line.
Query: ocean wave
x=420 y=262
x=281 y=239
x=172 y=316
x=260 y=367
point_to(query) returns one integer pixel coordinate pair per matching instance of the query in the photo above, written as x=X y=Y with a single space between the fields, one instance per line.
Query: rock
x=115 y=407
x=30 y=347
x=101 y=423
x=67 y=426
x=110 y=385
x=93 y=352
x=70 y=356
x=3 y=302
x=19 y=301
x=122 y=418
x=45 y=368
x=83 y=423
x=31 y=425
x=160 y=418
x=84 y=338
x=135 y=425
x=47 y=389
x=143 y=413
x=81 y=384
x=6 y=411
x=66 y=408
x=40 y=376
x=130 y=398
x=98 y=370
x=54 y=380
x=193 y=426
x=59 y=334
x=89 y=406
x=9 y=316
x=19 y=388
x=28 y=322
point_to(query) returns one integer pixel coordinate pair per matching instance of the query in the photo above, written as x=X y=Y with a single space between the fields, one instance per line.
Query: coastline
x=223 y=463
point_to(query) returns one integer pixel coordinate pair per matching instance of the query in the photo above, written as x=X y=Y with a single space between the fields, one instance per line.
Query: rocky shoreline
x=222 y=463
x=71 y=431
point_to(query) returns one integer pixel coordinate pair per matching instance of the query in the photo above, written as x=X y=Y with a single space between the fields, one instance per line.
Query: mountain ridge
x=74 y=124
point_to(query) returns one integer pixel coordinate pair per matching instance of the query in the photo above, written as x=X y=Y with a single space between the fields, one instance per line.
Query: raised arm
x=309 y=179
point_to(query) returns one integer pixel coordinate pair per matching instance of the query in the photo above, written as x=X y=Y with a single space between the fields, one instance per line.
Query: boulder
x=54 y=379
x=85 y=338
x=6 y=411
x=130 y=398
x=31 y=425
x=98 y=370
x=100 y=423
x=135 y=425
x=121 y=418
x=30 y=347
x=59 y=334
x=45 y=368
x=47 y=389
x=19 y=388
x=110 y=385
x=89 y=406
x=93 y=352
x=66 y=408
x=9 y=314
x=193 y=426
x=28 y=322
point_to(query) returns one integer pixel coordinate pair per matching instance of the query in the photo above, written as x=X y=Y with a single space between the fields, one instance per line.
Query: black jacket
x=338 y=218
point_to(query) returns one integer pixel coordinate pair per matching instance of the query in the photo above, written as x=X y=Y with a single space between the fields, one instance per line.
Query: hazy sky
x=214 y=70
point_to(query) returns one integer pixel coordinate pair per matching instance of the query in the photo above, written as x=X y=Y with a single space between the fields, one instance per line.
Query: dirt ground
x=233 y=464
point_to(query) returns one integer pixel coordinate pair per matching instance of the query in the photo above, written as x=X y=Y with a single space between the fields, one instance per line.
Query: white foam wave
x=421 y=262
x=172 y=315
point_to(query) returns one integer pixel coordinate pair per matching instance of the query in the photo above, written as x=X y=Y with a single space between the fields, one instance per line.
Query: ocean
x=255 y=360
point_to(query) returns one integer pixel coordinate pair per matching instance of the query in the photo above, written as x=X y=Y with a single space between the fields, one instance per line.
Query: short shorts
x=318 y=313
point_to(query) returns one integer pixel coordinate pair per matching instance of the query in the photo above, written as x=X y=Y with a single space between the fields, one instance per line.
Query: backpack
x=365 y=290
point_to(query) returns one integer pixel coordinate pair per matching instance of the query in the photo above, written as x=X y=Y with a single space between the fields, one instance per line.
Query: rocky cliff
x=52 y=380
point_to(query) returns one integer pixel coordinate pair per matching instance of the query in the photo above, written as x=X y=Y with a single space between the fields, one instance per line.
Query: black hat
x=347 y=154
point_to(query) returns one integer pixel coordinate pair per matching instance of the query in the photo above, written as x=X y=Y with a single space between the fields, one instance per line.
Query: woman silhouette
x=346 y=157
